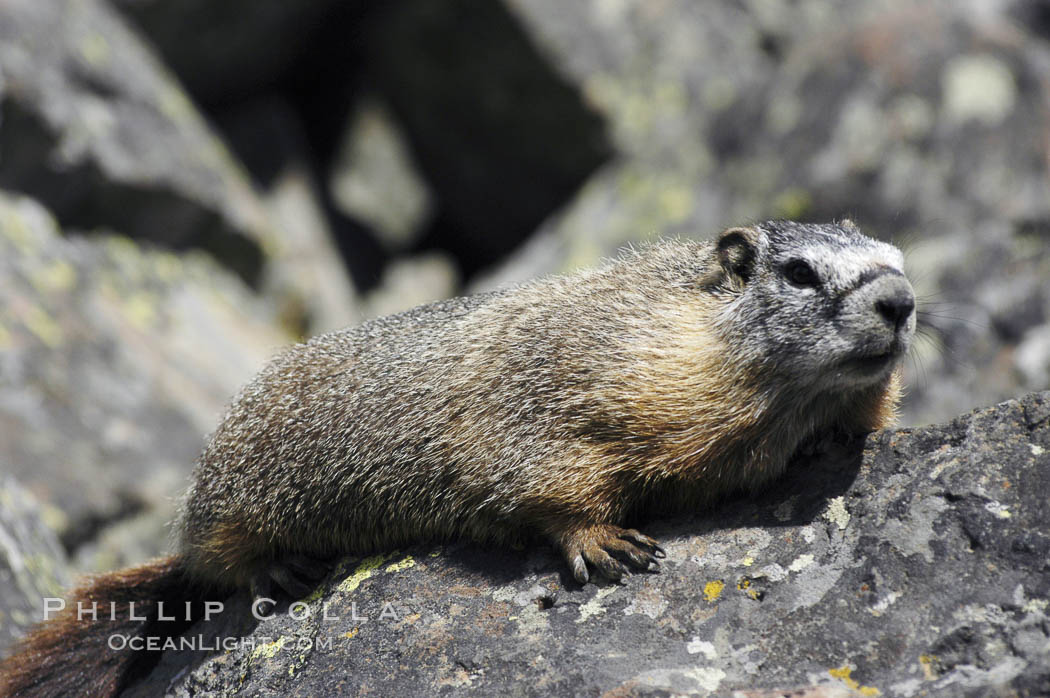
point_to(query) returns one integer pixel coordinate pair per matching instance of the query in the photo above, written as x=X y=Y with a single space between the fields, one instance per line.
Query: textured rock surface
x=114 y=360
x=894 y=112
x=32 y=563
x=916 y=563
x=95 y=128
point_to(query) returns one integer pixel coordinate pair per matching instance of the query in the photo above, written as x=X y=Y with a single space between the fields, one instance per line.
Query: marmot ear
x=737 y=251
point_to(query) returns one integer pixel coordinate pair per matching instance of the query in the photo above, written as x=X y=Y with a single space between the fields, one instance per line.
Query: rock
x=1033 y=356
x=375 y=179
x=308 y=268
x=914 y=563
x=279 y=80
x=32 y=563
x=736 y=111
x=984 y=314
x=114 y=361
x=95 y=128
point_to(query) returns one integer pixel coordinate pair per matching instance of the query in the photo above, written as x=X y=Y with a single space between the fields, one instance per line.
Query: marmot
x=564 y=407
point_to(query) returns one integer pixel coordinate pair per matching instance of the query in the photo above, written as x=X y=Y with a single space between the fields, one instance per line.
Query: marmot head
x=822 y=305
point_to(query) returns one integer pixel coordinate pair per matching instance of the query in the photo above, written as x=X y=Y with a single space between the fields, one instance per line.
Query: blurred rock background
x=185 y=187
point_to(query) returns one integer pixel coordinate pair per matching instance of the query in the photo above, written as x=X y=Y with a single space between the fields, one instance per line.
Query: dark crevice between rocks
x=501 y=139
x=972 y=540
x=83 y=197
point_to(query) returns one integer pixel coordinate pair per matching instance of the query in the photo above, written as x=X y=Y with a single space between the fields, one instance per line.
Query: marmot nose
x=896 y=307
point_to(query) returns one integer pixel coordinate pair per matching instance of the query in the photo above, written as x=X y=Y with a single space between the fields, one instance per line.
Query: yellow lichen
x=926 y=661
x=792 y=203
x=141 y=310
x=95 y=50
x=402 y=565
x=175 y=104
x=15 y=229
x=270 y=649
x=167 y=266
x=54 y=517
x=55 y=277
x=744 y=585
x=712 y=590
x=314 y=595
x=364 y=570
x=676 y=202
x=43 y=326
x=843 y=674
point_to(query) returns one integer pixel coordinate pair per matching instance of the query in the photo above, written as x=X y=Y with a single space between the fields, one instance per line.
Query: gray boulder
x=114 y=361
x=32 y=563
x=95 y=128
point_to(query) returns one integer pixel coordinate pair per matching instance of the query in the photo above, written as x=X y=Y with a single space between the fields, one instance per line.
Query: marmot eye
x=801 y=274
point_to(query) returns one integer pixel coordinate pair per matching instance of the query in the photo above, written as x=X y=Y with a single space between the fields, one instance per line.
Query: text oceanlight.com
x=199 y=643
